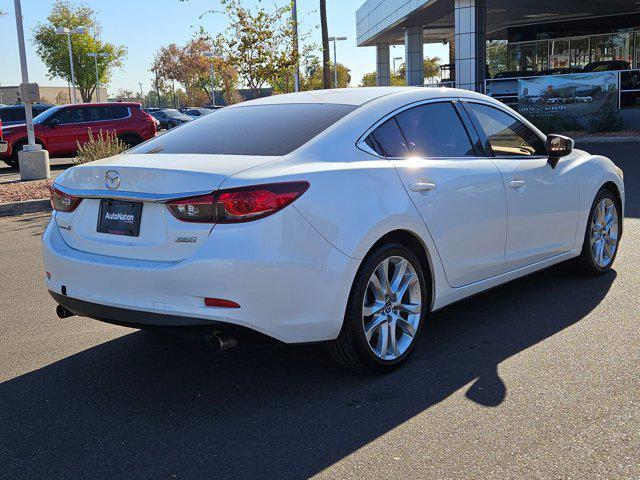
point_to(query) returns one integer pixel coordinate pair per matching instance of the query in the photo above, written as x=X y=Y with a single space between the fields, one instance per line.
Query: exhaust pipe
x=220 y=342
x=63 y=312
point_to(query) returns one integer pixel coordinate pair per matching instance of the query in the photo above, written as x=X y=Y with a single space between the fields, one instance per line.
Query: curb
x=607 y=139
x=27 y=206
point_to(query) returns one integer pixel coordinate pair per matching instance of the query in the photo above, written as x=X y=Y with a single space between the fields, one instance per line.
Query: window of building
x=435 y=130
x=559 y=54
x=606 y=48
x=580 y=52
x=521 y=57
x=542 y=55
x=507 y=136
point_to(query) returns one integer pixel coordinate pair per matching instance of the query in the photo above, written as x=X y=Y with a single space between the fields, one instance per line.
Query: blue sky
x=144 y=26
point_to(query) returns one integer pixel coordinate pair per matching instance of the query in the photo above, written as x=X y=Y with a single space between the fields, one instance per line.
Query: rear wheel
x=602 y=235
x=386 y=309
x=130 y=140
x=13 y=161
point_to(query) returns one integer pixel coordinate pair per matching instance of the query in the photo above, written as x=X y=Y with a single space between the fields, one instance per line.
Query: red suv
x=61 y=128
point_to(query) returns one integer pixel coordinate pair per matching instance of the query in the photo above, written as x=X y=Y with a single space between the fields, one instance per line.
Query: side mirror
x=558 y=146
x=53 y=123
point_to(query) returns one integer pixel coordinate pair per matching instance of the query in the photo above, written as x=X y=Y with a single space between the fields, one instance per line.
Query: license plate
x=119 y=218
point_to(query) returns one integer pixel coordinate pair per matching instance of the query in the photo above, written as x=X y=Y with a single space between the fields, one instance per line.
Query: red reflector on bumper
x=220 y=303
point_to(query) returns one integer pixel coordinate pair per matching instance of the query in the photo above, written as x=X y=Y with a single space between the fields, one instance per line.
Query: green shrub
x=105 y=144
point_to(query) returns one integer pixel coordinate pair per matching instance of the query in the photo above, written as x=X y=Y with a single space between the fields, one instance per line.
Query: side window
x=387 y=140
x=435 y=130
x=507 y=136
x=70 y=115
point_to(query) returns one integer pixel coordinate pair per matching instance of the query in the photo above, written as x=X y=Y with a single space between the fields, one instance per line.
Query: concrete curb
x=27 y=206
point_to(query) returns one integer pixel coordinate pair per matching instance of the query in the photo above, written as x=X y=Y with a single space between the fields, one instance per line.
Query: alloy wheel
x=604 y=232
x=391 y=308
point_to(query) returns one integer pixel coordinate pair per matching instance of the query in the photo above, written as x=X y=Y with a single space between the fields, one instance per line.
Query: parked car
x=170 y=118
x=198 y=112
x=3 y=142
x=628 y=80
x=15 y=115
x=60 y=129
x=343 y=216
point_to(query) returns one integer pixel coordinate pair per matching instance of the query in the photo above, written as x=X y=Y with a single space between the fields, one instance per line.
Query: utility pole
x=33 y=161
x=210 y=56
x=142 y=95
x=335 y=58
x=296 y=72
x=68 y=32
x=95 y=59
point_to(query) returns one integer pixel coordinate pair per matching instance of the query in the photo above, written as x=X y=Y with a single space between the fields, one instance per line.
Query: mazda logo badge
x=112 y=179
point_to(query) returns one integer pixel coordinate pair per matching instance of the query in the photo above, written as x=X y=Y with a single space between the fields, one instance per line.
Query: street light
x=335 y=58
x=33 y=161
x=142 y=95
x=394 y=63
x=212 y=55
x=296 y=71
x=95 y=59
x=68 y=33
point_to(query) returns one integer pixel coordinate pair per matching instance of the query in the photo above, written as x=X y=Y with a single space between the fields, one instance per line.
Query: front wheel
x=385 y=312
x=602 y=235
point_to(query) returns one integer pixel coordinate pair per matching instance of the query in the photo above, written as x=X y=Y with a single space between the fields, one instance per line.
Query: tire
x=591 y=262
x=11 y=163
x=352 y=349
x=130 y=140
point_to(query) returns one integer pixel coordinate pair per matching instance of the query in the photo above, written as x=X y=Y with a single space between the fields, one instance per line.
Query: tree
x=313 y=79
x=497 y=56
x=326 y=59
x=52 y=48
x=431 y=68
x=257 y=43
x=189 y=66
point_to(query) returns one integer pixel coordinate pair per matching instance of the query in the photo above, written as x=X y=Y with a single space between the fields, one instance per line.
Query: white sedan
x=344 y=216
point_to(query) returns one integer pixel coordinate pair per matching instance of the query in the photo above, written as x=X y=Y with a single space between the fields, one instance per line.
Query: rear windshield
x=249 y=130
x=12 y=114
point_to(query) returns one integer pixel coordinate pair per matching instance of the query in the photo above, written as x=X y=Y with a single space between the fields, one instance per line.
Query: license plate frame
x=118 y=217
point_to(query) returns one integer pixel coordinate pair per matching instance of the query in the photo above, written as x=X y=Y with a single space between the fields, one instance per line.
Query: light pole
x=211 y=56
x=335 y=58
x=142 y=95
x=95 y=59
x=296 y=71
x=394 y=63
x=32 y=160
x=68 y=32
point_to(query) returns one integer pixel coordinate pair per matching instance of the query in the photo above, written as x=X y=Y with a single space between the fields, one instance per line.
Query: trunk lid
x=149 y=179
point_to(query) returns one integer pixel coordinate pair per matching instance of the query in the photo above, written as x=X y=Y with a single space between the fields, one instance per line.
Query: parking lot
x=535 y=379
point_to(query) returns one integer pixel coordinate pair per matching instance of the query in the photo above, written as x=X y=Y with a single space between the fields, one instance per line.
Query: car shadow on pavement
x=143 y=406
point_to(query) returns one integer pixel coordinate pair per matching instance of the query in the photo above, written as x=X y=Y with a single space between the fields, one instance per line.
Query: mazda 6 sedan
x=339 y=216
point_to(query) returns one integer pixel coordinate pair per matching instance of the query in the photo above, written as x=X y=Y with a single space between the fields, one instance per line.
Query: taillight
x=238 y=204
x=62 y=202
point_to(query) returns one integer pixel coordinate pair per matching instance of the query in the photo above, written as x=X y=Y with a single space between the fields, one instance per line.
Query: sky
x=144 y=26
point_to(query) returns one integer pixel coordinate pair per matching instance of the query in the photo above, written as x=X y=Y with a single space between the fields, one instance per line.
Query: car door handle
x=422 y=186
x=517 y=184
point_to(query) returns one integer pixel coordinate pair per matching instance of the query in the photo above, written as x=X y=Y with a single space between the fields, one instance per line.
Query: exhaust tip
x=222 y=342
x=63 y=312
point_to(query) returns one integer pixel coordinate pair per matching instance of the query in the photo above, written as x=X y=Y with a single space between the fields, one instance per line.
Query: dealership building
x=541 y=35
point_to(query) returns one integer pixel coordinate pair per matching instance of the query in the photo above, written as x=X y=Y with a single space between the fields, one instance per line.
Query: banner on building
x=575 y=101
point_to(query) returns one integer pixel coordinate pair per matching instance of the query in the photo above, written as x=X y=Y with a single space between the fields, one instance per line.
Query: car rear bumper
x=290 y=283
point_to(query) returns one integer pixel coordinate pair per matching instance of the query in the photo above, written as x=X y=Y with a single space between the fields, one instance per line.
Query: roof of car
x=358 y=96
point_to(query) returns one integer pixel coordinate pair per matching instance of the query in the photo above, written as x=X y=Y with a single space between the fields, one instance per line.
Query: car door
x=458 y=193
x=543 y=201
x=64 y=128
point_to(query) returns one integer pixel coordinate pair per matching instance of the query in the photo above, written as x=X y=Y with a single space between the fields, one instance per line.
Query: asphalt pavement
x=535 y=379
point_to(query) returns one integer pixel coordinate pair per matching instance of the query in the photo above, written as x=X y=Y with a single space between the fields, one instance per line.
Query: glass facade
x=574 y=52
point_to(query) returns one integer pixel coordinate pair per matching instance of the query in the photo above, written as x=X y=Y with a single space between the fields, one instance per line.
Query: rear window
x=250 y=130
